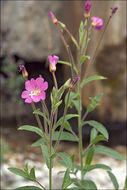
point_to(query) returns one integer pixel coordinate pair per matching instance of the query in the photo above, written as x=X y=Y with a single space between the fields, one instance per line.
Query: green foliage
x=65 y=63
x=68 y=116
x=66 y=180
x=113 y=179
x=30 y=175
x=32 y=129
x=66 y=158
x=83 y=58
x=97 y=166
x=72 y=100
x=98 y=139
x=99 y=127
x=109 y=152
x=28 y=188
x=92 y=78
x=89 y=156
x=94 y=102
x=42 y=114
x=45 y=154
x=93 y=134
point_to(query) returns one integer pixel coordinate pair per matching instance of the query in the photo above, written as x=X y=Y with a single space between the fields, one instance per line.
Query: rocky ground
x=11 y=181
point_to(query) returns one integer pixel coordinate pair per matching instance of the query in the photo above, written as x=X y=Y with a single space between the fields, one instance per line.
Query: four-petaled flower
x=52 y=62
x=54 y=19
x=88 y=5
x=97 y=23
x=35 y=90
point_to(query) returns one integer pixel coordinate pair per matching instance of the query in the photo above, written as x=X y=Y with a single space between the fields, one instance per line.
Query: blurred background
x=28 y=36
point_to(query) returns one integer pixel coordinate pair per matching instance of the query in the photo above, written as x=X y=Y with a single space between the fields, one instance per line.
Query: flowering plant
x=35 y=92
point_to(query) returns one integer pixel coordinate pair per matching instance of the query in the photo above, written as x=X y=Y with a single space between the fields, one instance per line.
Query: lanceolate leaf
x=93 y=134
x=65 y=63
x=66 y=180
x=114 y=180
x=32 y=129
x=66 y=136
x=41 y=114
x=94 y=102
x=89 y=156
x=28 y=188
x=98 y=139
x=99 y=127
x=83 y=58
x=109 y=152
x=66 y=159
x=68 y=116
x=18 y=171
x=88 y=185
x=39 y=142
x=92 y=78
x=45 y=154
x=98 y=166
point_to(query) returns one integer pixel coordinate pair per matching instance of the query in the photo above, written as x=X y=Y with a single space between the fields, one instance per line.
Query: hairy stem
x=63 y=121
x=40 y=184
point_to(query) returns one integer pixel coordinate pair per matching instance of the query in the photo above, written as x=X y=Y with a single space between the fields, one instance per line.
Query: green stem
x=50 y=152
x=40 y=184
x=80 y=130
x=62 y=125
x=39 y=122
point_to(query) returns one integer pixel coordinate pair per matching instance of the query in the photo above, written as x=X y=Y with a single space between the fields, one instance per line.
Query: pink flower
x=55 y=21
x=88 y=5
x=52 y=62
x=35 y=90
x=97 y=23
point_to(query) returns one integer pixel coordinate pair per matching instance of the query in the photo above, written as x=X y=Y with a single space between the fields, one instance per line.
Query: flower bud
x=52 y=62
x=74 y=81
x=54 y=19
x=113 y=11
x=87 y=7
x=24 y=71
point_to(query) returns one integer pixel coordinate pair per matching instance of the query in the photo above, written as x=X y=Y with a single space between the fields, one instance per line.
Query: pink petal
x=39 y=82
x=28 y=100
x=33 y=84
x=25 y=94
x=56 y=58
x=43 y=95
x=28 y=85
x=45 y=86
x=36 y=98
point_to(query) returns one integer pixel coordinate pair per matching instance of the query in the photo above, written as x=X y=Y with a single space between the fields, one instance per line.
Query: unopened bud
x=87 y=8
x=24 y=71
x=54 y=19
x=113 y=11
x=75 y=80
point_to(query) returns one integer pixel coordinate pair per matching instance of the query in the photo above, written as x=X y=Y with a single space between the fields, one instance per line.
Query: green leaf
x=65 y=136
x=109 y=152
x=68 y=116
x=41 y=114
x=67 y=126
x=94 y=102
x=18 y=171
x=89 y=156
x=57 y=105
x=45 y=154
x=32 y=174
x=75 y=42
x=93 y=134
x=83 y=58
x=28 y=188
x=92 y=78
x=32 y=129
x=98 y=166
x=39 y=142
x=71 y=98
x=88 y=185
x=65 y=63
x=66 y=158
x=99 y=127
x=114 y=180
x=98 y=138
x=66 y=180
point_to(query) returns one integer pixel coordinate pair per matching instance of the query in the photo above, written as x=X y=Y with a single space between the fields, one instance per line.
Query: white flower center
x=35 y=93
